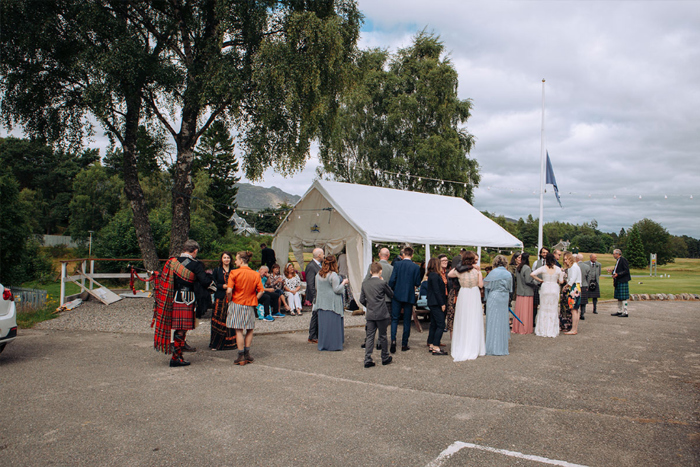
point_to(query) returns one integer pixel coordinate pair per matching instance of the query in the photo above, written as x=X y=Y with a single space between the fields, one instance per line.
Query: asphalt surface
x=624 y=392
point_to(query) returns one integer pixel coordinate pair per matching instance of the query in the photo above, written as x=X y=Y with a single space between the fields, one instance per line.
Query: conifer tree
x=635 y=250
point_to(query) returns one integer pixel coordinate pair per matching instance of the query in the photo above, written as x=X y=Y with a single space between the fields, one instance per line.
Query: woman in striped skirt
x=244 y=289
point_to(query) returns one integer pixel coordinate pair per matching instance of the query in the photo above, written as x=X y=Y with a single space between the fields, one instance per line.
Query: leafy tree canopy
x=403 y=115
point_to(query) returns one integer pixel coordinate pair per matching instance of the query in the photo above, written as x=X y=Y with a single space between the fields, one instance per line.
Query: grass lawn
x=684 y=276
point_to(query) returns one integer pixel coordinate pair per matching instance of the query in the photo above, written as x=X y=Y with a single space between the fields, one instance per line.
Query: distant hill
x=257 y=197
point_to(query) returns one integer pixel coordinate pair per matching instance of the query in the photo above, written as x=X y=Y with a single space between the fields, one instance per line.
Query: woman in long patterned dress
x=565 y=304
x=222 y=338
x=497 y=288
x=468 y=341
x=573 y=281
x=550 y=275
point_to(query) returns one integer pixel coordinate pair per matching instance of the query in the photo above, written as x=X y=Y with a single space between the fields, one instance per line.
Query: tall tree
x=656 y=239
x=403 y=115
x=48 y=174
x=272 y=69
x=634 y=252
x=215 y=156
x=95 y=200
x=66 y=59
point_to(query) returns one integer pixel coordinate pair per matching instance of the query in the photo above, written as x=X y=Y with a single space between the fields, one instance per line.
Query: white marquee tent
x=333 y=215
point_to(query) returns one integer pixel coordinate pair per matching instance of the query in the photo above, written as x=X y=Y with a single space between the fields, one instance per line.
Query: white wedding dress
x=468 y=341
x=547 y=324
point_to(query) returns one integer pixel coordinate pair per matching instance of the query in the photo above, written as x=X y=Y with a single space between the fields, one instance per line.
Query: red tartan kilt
x=183 y=316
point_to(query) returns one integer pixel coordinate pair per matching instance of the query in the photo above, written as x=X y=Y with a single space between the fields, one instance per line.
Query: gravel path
x=133 y=315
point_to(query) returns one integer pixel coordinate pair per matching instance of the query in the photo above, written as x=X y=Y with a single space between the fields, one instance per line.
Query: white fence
x=56 y=240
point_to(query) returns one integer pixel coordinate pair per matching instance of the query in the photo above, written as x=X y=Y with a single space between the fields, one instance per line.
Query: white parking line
x=457 y=445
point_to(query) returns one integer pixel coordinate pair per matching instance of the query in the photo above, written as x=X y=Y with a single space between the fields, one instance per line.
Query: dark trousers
x=313 y=326
x=374 y=325
x=396 y=308
x=437 y=325
x=270 y=302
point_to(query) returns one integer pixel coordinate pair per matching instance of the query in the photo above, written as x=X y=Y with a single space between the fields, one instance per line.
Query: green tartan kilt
x=622 y=291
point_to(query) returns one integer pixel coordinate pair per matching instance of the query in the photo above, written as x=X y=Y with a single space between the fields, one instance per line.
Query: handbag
x=593 y=286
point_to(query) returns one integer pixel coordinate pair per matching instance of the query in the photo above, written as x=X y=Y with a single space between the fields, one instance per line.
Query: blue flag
x=551 y=180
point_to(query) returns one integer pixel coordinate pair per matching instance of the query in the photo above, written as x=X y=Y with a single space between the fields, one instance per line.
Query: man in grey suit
x=585 y=271
x=312 y=269
x=594 y=278
x=375 y=291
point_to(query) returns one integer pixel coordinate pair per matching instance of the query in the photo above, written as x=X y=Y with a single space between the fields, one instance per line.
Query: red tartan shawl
x=163 y=307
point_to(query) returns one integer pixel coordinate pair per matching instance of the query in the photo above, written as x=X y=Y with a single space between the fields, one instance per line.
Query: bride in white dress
x=547 y=324
x=468 y=340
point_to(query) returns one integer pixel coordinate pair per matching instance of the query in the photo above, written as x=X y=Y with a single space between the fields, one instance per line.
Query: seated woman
x=292 y=289
x=329 y=305
x=277 y=282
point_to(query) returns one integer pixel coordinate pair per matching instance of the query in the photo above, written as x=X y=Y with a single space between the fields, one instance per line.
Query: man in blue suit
x=404 y=279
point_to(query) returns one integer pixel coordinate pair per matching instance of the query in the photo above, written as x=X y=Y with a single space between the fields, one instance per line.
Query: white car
x=8 y=318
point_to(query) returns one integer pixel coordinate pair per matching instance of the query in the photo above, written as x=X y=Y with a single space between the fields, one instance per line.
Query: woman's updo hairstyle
x=245 y=256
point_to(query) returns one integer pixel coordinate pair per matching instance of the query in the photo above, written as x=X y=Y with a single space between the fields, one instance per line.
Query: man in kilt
x=621 y=278
x=173 y=313
x=594 y=281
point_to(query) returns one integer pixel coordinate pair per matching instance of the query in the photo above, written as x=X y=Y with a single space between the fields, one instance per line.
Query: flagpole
x=539 y=233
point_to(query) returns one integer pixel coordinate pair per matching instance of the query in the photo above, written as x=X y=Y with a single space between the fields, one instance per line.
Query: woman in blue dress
x=498 y=286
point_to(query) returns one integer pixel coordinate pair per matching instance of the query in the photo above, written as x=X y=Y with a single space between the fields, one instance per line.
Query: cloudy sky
x=622 y=98
x=622 y=101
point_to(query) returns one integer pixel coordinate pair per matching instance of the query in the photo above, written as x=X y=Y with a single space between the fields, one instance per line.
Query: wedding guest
x=550 y=276
x=270 y=299
x=452 y=293
x=244 y=290
x=329 y=305
x=512 y=269
x=573 y=284
x=524 y=298
x=277 y=281
x=585 y=270
x=373 y=295
x=222 y=338
x=497 y=288
x=468 y=340
x=541 y=261
x=621 y=278
x=594 y=281
x=437 y=299
x=292 y=289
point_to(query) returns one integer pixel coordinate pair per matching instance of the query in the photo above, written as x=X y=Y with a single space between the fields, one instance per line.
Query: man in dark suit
x=312 y=269
x=268 y=256
x=621 y=278
x=404 y=279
